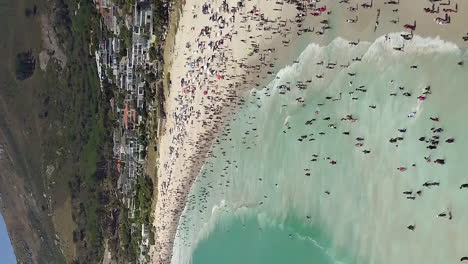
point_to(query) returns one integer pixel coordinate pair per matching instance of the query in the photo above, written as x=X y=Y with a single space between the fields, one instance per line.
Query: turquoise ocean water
x=284 y=184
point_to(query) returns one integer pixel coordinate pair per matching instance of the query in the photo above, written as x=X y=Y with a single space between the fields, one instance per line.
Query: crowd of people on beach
x=211 y=84
x=215 y=76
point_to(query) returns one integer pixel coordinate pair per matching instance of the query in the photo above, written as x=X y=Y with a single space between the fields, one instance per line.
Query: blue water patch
x=7 y=255
x=246 y=241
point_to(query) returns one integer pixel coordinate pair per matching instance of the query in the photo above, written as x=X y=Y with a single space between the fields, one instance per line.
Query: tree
x=126 y=37
x=25 y=65
x=153 y=54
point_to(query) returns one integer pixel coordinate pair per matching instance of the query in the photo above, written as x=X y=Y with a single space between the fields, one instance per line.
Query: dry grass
x=152 y=158
x=64 y=226
x=170 y=41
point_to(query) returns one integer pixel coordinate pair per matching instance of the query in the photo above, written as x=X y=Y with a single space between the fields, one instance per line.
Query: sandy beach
x=224 y=49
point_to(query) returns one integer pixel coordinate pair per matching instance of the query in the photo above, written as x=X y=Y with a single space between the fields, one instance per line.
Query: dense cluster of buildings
x=123 y=59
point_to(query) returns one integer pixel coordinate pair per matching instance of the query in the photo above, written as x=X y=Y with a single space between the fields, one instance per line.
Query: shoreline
x=171 y=197
x=192 y=137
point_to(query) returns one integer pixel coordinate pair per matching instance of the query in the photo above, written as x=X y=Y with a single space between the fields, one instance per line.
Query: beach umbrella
x=205 y=92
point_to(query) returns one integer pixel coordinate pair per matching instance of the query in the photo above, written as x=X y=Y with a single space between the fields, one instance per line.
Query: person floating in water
x=450 y=140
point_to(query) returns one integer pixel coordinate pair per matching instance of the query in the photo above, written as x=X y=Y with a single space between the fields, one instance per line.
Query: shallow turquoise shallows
x=246 y=242
x=329 y=163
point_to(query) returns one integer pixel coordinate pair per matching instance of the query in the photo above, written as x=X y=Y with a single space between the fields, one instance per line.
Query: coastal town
x=127 y=60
